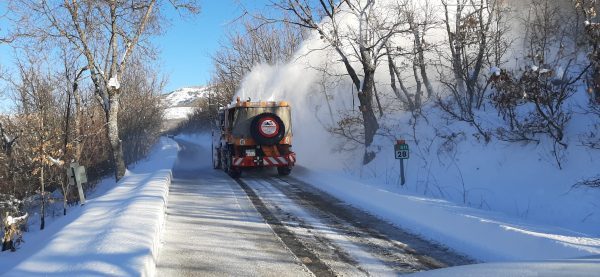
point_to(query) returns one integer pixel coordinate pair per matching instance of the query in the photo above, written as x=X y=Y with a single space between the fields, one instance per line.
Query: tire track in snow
x=387 y=239
x=318 y=236
x=307 y=257
x=339 y=233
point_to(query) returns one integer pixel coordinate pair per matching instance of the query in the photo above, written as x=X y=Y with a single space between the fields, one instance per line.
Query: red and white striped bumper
x=288 y=160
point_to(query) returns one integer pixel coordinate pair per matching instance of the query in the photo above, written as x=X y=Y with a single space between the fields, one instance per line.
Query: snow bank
x=484 y=235
x=114 y=234
x=588 y=266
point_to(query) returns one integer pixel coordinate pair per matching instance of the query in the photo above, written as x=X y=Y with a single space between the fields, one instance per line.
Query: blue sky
x=188 y=43
x=185 y=47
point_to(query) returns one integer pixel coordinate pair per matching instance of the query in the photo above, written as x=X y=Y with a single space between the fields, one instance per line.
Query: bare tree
x=254 y=44
x=360 y=46
x=142 y=120
x=73 y=73
x=420 y=18
x=105 y=33
x=474 y=40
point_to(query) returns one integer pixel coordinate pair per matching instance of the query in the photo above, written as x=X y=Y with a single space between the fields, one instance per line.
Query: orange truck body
x=254 y=134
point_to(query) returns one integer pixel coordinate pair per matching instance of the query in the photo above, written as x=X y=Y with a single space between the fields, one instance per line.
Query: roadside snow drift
x=484 y=235
x=115 y=234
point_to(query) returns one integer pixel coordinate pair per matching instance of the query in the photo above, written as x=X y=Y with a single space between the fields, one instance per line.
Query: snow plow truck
x=253 y=135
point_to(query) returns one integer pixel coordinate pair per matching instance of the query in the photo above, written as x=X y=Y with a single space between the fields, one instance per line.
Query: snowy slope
x=185 y=97
x=114 y=234
x=179 y=104
x=178 y=113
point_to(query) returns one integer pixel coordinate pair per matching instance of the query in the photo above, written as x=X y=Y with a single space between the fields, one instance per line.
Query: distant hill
x=180 y=103
x=185 y=97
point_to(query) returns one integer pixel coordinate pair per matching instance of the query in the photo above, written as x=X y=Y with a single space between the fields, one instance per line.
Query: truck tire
x=235 y=173
x=227 y=165
x=284 y=170
x=267 y=129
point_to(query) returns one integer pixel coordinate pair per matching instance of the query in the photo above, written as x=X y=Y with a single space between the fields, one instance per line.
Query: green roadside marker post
x=401 y=153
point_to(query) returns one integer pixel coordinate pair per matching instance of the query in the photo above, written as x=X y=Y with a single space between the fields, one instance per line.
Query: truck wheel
x=267 y=129
x=284 y=170
x=227 y=165
x=235 y=172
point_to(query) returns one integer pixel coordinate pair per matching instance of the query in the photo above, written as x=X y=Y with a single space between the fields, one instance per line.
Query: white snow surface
x=483 y=235
x=114 y=83
x=185 y=96
x=113 y=234
x=181 y=102
x=178 y=112
x=588 y=266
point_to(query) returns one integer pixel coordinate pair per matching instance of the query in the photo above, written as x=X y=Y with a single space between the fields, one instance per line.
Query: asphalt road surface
x=264 y=225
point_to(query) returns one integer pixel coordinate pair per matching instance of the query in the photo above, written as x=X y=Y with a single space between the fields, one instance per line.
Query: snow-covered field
x=177 y=113
x=116 y=233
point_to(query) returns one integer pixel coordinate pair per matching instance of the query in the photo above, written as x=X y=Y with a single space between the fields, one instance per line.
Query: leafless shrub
x=349 y=127
x=532 y=100
x=589 y=10
x=476 y=40
x=532 y=104
x=142 y=116
x=591 y=138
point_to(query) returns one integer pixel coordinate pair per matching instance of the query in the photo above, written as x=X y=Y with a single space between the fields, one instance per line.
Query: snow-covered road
x=263 y=225
x=212 y=229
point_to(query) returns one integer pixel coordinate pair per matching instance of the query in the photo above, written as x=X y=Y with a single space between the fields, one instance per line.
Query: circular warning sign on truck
x=268 y=127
